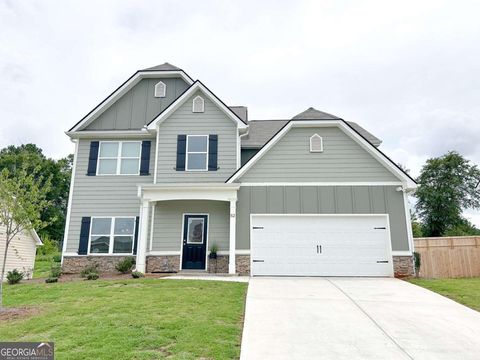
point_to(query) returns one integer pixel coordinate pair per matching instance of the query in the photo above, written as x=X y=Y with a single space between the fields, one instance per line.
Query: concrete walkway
x=355 y=318
x=243 y=279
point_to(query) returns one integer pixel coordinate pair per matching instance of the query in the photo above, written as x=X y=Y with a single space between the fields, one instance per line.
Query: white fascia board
x=102 y=134
x=371 y=149
x=164 y=192
x=38 y=241
x=197 y=86
x=130 y=83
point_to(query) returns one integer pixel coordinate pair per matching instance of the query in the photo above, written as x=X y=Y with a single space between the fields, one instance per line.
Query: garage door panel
x=311 y=245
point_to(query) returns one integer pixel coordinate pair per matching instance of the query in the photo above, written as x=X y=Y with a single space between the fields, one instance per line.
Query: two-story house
x=164 y=170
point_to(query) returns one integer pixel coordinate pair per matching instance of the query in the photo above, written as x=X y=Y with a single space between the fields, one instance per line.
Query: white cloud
x=407 y=71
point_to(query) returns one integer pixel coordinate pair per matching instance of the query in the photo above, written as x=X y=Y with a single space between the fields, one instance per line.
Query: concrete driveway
x=355 y=318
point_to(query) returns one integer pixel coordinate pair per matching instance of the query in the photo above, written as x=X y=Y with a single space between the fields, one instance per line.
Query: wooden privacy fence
x=449 y=257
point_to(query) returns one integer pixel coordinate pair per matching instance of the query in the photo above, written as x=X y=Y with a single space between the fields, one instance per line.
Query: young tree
x=31 y=157
x=447 y=186
x=22 y=201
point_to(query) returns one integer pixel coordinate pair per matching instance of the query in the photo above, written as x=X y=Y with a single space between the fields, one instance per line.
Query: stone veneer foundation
x=75 y=264
x=402 y=265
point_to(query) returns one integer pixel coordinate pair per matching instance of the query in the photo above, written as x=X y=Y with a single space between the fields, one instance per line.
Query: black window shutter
x=92 y=158
x=181 y=152
x=145 y=158
x=84 y=235
x=212 y=152
x=135 y=241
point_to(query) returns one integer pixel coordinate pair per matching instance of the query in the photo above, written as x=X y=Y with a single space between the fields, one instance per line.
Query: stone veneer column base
x=220 y=264
x=75 y=264
x=403 y=266
x=163 y=263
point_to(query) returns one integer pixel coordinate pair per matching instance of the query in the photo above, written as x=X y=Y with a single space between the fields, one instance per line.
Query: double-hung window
x=197 y=153
x=112 y=235
x=119 y=158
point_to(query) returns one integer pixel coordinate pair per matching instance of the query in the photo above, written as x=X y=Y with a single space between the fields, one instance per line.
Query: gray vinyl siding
x=322 y=200
x=138 y=106
x=290 y=160
x=184 y=121
x=167 y=227
x=113 y=195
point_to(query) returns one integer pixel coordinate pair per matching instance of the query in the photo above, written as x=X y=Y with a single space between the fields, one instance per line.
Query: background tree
x=22 y=201
x=447 y=186
x=31 y=158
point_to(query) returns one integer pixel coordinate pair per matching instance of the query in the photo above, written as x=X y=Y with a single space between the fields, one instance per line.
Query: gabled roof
x=163 y=70
x=35 y=237
x=314 y=114
x=260 y=131
x=163 y=67
x=406 y=179
x=197 y=86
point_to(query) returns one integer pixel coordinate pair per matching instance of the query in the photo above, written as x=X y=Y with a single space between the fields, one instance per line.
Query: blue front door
x=194 y=242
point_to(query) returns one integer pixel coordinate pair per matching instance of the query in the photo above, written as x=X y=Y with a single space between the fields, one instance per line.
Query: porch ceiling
x=202 y=191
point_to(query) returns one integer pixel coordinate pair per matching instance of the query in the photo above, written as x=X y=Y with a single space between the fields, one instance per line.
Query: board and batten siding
x=138 y=106
x=322 y=200
x=184 y=121
x=21 y=252
x=108 y=195
x=342 y=159
x=167 y=227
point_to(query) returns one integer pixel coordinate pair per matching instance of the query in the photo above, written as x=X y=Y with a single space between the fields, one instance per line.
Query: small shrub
x=14 y=276
x=51 y=280
x=126 y=265
x=137 y=274
x=417 y=261
x=88 y=270
x=57 y=258
x=49 y=246
x=92 y=276
x=55 y=271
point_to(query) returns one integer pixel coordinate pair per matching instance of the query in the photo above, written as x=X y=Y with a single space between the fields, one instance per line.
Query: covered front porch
x=180 y=223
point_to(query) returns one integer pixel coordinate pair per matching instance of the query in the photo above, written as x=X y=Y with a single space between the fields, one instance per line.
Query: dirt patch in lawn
x=11 y=313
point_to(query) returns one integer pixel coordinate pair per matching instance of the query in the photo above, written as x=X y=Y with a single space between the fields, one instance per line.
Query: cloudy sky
x=407 y=71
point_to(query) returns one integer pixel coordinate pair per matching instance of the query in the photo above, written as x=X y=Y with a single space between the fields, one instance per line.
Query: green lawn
x=465 y=291
x=43 y=264
x=131 y=319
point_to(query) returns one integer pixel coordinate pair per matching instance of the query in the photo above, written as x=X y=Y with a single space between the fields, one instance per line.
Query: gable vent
x=160 y=89
x=198 y=105
x=316 y=143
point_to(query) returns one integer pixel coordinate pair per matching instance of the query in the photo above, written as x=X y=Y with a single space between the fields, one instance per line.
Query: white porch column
x=233 y=222
x=142 y=237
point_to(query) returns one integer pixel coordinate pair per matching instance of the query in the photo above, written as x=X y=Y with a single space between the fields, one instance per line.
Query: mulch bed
x=103 y=276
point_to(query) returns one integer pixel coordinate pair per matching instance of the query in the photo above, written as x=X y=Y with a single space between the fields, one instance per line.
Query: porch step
x=193 y=273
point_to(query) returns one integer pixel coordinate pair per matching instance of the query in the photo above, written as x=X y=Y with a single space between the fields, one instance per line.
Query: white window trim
x=111 y=235
x=321 y=143
x=197 y=152
x=160 y=95
x=119 y=158
x=203 y=104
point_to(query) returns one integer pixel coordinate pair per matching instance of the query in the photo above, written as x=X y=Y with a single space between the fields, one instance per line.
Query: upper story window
x=198 y=105
x=112 y=235
x=316 y=143
x=119 y=158
x=197 y=153
x=160 y=89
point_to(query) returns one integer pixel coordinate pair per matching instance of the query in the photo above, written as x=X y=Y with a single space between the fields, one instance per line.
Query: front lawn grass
x=131 y=319
x=465 y=291
x=43 y=265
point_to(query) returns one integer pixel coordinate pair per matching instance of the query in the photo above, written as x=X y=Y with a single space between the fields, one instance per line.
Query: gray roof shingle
x=164 y=67
x=260 y=131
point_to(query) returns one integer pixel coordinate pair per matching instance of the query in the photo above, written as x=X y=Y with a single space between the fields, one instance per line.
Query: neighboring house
x=164 y=170
x=21 y=251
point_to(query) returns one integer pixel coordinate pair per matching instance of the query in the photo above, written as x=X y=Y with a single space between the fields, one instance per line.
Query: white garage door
x=321 y=245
